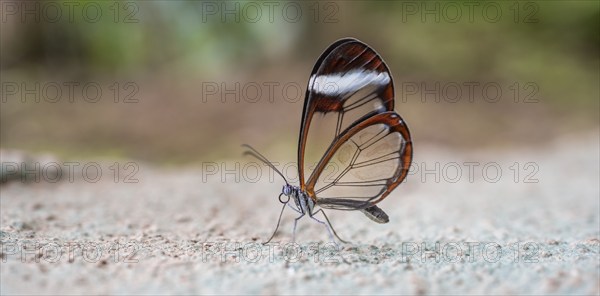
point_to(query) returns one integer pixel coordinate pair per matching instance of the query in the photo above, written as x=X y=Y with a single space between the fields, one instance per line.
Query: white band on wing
x=348 y=82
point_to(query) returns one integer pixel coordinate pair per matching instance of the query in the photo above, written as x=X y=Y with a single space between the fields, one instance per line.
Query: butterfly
x=367 y=149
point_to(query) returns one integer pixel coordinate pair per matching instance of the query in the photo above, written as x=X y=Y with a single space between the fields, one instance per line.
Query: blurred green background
x=178 y=79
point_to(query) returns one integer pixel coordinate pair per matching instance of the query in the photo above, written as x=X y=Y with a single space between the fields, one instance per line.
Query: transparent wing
x=365 y=163
x=349 y=83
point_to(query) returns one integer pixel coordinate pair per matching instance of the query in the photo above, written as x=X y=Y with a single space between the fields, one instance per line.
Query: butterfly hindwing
x=368 y=161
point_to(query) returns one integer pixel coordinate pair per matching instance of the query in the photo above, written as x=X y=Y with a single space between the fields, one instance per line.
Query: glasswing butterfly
x=367 y=149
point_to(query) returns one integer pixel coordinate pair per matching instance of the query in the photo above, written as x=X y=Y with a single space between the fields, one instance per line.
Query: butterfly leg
x=295 y=209
x=278 y=222
x=295 y=224
x=330 y=228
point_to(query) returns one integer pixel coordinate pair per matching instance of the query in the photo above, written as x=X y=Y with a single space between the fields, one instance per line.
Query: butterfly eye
x=287 y=189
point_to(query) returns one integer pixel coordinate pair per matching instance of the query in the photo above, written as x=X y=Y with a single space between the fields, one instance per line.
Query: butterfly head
x=287 y=189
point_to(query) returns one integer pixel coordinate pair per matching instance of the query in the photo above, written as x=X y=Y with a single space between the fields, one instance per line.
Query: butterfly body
x=304 y=204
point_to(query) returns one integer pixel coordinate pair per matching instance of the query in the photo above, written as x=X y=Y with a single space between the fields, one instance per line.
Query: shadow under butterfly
x=370 y=143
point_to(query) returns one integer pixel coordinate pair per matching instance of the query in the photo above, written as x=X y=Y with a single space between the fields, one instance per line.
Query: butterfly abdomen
x=376 y=214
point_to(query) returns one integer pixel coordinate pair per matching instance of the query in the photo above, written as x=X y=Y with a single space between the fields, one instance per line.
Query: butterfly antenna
x=278 y=221
x=262 y=158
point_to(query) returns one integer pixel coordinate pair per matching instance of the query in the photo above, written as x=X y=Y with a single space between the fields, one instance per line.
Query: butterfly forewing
x=365 y=163
x=349 y=83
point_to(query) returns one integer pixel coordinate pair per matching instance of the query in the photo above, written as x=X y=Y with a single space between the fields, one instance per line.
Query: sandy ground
x=533 y=229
